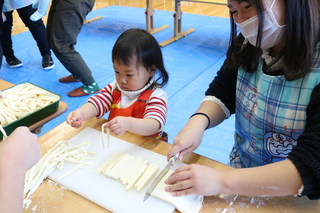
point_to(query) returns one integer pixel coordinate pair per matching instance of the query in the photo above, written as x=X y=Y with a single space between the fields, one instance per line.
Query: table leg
x=177 y=18
x=150 y=19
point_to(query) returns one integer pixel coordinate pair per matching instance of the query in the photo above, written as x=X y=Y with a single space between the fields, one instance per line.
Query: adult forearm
x=11 y=184
x=213 y=111
x=277 y=179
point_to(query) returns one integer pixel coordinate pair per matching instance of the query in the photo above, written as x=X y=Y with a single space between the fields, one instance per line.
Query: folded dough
x=185 y=204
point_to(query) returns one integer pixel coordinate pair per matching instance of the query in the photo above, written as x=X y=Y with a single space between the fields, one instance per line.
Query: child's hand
x=118 y=125
x=74 y=119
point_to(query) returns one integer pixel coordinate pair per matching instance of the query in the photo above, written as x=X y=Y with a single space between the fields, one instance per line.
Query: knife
x=163 y=172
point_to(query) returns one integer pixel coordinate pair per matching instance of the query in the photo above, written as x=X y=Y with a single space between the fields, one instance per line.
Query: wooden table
x=51 y=198
x=36 y=127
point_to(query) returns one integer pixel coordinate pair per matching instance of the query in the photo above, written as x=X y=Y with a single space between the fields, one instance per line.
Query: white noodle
x=103 y=135
x=55 y=158
x=22 y=100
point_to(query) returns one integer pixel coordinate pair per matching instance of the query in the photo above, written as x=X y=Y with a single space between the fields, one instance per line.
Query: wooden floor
x=167 y=5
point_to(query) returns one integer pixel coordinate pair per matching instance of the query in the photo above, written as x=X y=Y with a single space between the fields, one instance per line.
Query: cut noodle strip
x=55 y=158
x=104 y=137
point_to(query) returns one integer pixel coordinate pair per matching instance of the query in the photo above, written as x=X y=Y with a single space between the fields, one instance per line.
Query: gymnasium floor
x=192 y=63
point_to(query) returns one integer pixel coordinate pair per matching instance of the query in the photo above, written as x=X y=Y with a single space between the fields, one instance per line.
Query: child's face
x=133 y=77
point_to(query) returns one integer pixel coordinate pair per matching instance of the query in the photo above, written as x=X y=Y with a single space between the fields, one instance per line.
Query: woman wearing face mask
x=270 y=80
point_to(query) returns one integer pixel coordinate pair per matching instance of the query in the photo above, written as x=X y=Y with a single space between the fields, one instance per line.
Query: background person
x=37 y=29
x=65 y=21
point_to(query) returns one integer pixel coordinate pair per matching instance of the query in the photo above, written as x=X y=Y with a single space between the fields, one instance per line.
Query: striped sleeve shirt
x=156 y=107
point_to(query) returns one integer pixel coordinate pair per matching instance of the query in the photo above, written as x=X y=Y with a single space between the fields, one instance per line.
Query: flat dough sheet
x=185 y=204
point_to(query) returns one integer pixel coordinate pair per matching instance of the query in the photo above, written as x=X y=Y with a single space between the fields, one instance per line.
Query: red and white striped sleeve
x=103 y=100
x=157 y=107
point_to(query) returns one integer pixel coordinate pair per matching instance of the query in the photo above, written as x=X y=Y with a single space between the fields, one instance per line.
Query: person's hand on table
x=194 y=179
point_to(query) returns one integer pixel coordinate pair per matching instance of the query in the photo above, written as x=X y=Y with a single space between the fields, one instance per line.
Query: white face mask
x=272 y=31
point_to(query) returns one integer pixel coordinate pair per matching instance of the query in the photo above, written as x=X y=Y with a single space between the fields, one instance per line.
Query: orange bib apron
x=135 y=110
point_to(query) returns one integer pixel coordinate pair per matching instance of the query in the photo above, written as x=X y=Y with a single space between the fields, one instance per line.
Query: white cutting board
x=105 y=191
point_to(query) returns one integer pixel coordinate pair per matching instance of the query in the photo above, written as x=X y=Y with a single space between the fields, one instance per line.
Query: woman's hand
x=194 y=179
x=187 y=140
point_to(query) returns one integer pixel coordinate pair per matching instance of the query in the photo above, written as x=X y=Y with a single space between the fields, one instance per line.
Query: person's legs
x=6 y=42
x=65 y=22
x=6 y=35
x=38 y=31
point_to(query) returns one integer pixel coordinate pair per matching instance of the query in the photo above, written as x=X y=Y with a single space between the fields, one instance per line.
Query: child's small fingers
x=106 y=125
x=76 y=124
x=69 y=121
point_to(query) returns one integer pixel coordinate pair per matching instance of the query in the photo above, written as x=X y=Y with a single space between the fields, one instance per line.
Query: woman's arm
x=190 y=136
x=218 y=104
x=277 y=179
x=18 y=153
x=306 y=155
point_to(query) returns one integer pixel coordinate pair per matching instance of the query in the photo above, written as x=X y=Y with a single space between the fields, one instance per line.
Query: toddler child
x=136 y=100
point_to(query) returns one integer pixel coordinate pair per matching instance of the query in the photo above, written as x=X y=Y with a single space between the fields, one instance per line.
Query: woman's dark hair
x=301 y=36
x=140 y=45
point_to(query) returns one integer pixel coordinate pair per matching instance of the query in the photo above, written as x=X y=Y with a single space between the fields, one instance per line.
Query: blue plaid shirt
x=270 y=115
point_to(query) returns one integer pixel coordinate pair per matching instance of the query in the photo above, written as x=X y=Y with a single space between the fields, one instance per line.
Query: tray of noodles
x=25 y=104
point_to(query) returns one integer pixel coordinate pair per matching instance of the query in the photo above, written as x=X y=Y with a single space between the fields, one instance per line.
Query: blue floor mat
x=192 y=63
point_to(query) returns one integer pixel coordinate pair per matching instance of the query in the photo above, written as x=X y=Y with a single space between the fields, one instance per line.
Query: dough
x=185 y=204
x=130 y=170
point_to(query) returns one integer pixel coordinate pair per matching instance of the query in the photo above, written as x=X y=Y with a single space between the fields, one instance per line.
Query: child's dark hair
x=301 y=36
x=140 y=45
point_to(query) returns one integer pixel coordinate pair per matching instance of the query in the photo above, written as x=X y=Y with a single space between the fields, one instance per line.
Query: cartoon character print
x=252 y=97
x=278 y=145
